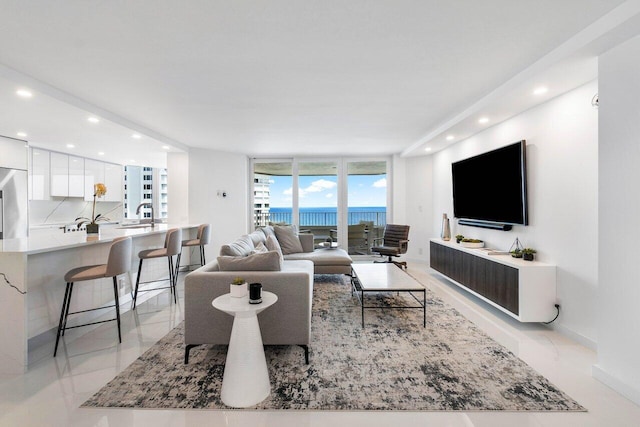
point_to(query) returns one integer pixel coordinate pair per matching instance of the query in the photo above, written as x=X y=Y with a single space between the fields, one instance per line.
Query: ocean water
x=320 y=216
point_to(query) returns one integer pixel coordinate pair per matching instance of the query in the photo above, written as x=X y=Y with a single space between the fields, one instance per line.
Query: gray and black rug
x=393 y=364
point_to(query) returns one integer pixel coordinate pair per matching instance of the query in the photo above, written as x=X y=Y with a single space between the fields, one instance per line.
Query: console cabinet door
x=93 y=174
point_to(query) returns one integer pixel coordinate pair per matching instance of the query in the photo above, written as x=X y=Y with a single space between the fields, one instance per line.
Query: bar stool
x=202 y=238
x=119 y=262
x=172 y=247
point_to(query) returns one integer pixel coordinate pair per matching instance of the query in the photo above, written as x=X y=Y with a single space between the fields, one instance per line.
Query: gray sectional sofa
x=288 y=322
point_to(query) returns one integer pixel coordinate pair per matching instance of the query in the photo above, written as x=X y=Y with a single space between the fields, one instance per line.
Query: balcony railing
x=319 y=218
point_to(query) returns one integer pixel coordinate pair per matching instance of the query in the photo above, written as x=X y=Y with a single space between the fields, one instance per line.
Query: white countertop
x=48 y=243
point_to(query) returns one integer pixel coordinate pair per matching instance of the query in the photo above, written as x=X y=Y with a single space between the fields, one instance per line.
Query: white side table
x=246 y=378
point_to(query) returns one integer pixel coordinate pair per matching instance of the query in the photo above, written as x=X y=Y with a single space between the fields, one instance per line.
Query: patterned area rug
x=394 y=363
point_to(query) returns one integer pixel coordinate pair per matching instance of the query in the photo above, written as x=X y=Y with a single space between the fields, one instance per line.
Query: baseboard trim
x=625 y=389
x=575 y=336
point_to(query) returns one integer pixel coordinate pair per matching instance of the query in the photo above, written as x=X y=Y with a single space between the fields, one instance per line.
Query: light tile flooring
x=52 y=391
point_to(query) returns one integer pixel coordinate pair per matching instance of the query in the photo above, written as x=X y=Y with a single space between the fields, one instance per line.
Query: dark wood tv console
x=525 y=290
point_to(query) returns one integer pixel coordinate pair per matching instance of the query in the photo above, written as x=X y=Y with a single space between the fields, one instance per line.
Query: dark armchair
x=395 y=242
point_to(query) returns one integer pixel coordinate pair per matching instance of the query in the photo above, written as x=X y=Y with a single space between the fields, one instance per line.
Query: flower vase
x=93 y=228
x=445 y=234
x=239 y=291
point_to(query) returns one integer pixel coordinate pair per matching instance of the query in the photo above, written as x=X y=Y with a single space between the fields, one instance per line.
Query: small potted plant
x=99 y=190
x=459 y=237
x=238 y=288
x=516 y=253
x=527 y=254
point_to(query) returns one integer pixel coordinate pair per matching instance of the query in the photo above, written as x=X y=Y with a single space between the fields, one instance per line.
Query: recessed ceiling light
x=136 y=136
x=94 y=120
x=70 y=146
x=166 y=147
x=540 y=90
x=450 y=137
x=100 y=153
x=21 y=134
x=483 y=120
x=427 y=149
x=24 y=93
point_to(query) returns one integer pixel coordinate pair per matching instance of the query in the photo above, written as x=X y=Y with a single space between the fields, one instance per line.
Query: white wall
x=178 y=188
x=619 y=211
x=562 y=162
x=419 y=205
x=210 y=171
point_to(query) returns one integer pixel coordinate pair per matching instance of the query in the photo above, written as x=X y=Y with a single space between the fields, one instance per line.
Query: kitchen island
x=32 y=282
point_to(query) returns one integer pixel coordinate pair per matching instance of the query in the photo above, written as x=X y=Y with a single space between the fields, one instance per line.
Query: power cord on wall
x=557 y=306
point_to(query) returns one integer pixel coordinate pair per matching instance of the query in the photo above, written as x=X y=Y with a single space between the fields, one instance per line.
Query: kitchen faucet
x=146 y=204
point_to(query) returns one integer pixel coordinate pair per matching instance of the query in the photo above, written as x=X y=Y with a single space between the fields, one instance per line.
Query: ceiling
x=285 y=77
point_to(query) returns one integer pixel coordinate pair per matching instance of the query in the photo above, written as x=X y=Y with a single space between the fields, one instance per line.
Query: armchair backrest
x=394 y=234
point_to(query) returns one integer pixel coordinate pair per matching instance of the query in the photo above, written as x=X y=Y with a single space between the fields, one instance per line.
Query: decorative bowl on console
x=472 y=243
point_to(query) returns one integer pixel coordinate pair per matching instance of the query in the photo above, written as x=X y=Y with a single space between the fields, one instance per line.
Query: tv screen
x=492 y=186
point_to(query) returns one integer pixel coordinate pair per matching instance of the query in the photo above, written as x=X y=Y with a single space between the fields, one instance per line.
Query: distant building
x=261 y=195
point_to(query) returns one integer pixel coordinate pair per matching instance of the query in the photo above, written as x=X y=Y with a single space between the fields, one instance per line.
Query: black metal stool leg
x=135 y=294
x=66 y=314
x=115 y=292
x=62 y=311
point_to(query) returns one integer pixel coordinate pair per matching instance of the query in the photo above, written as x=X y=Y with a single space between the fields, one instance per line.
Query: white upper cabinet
x=40 y=175
x=93 y=173
x=113 y=180
x=59 y=175
x=76 y=176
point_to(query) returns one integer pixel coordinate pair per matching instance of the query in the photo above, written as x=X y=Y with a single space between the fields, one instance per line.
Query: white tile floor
x=52 y=391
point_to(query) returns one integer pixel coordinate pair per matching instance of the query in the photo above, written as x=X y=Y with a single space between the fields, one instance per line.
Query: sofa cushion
x=257 y=237
x=323 y=257
x=273 y=245
x=241 y=247
x=268 y=231
x=260 y=248
x=288 y=238
x=268 y=261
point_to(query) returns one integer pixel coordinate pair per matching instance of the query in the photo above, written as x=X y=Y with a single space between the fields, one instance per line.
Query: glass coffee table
x=386 y=278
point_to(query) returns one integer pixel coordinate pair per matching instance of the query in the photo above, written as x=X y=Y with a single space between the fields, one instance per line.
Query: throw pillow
x=260 y=249
x=273 y=245
x=268 y=261
x=241 y=247
x=288 y=238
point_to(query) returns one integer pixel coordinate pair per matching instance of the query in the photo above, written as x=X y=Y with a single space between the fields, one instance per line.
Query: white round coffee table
x=246 y=378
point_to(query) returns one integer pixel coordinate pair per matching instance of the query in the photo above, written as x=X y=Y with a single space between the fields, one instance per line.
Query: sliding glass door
x=366 y=204
x=341 y=199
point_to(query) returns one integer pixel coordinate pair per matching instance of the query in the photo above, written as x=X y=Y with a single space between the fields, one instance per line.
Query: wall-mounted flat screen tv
x=492 y=187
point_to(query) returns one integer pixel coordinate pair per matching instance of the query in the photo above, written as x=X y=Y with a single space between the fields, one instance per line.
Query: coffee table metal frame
x=386 y=278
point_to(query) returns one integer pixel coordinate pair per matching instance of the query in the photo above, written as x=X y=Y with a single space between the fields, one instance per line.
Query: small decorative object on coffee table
x=459 y=237
x=99 y=190
x=238 y=288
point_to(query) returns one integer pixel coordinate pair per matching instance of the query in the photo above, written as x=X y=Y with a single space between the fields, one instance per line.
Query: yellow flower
x=99 y=189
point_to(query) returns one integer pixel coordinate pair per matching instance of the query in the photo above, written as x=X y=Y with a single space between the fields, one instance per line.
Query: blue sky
x=322 y=191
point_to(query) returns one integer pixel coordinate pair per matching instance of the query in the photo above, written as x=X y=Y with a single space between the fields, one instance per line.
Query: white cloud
x=315 y=187
x=381 y=183
x=320 y=185
x=329 y=195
